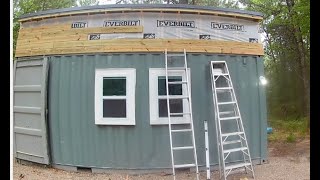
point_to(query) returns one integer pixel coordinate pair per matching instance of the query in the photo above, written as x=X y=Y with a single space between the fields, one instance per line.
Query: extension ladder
x=227 y=116
x=187 y=97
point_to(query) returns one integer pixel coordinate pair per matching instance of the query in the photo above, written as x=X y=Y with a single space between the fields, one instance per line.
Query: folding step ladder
x=169 y=58
x=227 y=111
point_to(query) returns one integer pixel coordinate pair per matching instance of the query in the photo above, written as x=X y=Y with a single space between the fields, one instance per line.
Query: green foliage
x=87 y=2
x=215 y=3
x=291 y=138
x=219 y=3
x=288 y=130
x=286 y=26
x=139 y=1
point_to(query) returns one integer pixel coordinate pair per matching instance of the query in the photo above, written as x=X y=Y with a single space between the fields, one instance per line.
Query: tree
x=218 y=3
x=214 y=3
x=87 y=2
x=287 y=45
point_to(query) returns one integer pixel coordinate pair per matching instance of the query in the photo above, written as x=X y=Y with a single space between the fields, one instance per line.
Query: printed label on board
x=94 y=36
x=121 y=23
x=253 y=40
x=204 y=36
x=79 y=25
x=180 y=25
x=149 y=36
x=227 y=26
x=172 y=23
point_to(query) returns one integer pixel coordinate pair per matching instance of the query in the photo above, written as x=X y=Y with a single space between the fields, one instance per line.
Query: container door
x=29 y=110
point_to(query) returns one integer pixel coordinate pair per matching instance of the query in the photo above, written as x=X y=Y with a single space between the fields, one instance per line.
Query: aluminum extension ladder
x=187 y=97
x=227 y=111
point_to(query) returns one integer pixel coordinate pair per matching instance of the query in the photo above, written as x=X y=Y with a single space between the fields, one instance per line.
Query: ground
x=286 y=161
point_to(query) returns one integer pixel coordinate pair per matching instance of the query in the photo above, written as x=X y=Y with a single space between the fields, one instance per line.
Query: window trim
x=154 y=73
x=130 y=74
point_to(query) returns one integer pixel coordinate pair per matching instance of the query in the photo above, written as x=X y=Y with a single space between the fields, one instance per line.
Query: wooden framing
x=62 y=39
x=156 y=10
x=138 y=45
x=65 y=28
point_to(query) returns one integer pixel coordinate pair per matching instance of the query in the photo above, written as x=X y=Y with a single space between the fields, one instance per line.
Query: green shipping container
x=75 y=140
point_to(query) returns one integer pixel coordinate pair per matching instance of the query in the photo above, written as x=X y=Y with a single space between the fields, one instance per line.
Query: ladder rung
x=229 y=118
x=181 y=130
x=221 y=74
x=172 y=55
x=178 y=97
x=223 y=103
x=232 y=134
x=184 y=165
x=223 y=88
x=178 y=82
x=176 y=114
x=235 y=150
x=226 y=112
x=176 y=68
x=231 y=142
x=237 y=166
x=181 y=148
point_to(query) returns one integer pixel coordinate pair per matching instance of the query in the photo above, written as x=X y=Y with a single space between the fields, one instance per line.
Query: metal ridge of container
x=138 y=6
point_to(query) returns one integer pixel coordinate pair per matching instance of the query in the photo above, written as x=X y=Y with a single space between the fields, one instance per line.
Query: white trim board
x=130 y=74
x=154 y=73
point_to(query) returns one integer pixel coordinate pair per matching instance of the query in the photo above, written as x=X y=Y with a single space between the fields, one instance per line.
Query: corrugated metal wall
x=77 y=141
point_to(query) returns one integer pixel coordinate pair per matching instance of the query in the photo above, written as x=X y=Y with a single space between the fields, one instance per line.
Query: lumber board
x=62 y=39
x=138 y=45
x=159 y=10
x=110 y=30
x=64 y=26
x=43 y=39
x=35 y=36
x=58 y=30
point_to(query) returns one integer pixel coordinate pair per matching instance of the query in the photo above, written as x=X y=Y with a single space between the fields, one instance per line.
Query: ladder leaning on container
x=187 y=97
x=228 y=111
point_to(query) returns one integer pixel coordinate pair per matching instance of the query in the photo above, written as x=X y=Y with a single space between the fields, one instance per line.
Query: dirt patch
x=283 y=149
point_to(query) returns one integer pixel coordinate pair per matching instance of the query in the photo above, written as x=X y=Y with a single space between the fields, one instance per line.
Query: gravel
x=285 y=167
x=291 y=168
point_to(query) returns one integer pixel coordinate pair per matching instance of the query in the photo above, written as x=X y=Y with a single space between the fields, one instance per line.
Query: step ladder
x=169 y=59
x=227 y=111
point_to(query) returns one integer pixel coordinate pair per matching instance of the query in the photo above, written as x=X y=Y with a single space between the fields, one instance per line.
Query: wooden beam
x=67 y=27
x=110 y=30
x=64 y=33
x=139 y=45
x=125 y=10
x=62 y=39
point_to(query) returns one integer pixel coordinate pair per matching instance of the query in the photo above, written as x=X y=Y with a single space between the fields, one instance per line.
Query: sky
x=102 y=2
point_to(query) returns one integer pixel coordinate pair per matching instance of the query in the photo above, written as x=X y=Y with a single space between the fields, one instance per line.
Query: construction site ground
x=286 y=161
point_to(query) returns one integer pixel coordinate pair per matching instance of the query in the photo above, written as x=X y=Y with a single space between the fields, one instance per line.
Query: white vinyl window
x=158 y=97
x=115 y=96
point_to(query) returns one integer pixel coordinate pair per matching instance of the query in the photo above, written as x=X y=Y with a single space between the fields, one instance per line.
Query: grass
x=287 y=130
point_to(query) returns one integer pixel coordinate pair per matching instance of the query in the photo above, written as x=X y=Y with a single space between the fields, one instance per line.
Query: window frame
x=154 y=74
x=130 y=75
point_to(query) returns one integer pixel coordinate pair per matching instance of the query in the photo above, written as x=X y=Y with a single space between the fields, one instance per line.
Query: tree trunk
x=302 y=62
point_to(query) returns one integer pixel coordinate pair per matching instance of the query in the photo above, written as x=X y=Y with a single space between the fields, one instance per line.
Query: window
x=158 y=97
x=115 y=96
